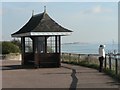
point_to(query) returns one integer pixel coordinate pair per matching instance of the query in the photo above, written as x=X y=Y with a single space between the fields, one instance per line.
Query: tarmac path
x=67 y=76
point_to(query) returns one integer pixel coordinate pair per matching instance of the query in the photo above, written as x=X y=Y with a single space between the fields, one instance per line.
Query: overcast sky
x=94 y=22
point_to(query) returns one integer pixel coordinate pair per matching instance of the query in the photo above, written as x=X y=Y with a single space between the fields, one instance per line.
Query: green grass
x=83 y=63
x=107 y=71
x=112 y=74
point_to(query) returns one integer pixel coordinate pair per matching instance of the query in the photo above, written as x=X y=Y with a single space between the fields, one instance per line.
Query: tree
x=16 y=42
x=8 y=47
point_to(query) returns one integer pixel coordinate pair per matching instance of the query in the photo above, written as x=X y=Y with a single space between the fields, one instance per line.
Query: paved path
x=68 y=76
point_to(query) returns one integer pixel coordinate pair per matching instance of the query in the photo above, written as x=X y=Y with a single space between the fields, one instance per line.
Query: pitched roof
x=41 y=23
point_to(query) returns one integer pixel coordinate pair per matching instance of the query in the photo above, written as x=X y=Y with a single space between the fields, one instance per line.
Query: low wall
x=12 y=56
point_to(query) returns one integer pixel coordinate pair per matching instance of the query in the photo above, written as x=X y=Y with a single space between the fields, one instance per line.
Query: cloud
x=97 y=10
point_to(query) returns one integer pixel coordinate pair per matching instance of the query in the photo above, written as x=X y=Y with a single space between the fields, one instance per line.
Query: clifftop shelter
x=41 y=41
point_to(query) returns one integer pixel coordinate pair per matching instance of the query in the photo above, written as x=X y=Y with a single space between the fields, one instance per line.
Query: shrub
x=17 y=42
x=8 y=47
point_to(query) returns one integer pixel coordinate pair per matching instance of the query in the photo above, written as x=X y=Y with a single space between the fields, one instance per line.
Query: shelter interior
x=41 y=51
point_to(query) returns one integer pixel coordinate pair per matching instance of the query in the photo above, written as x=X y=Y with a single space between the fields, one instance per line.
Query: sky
x=91 y=22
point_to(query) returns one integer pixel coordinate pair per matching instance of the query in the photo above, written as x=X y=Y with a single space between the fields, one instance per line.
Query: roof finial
x=44 y=8
x=32 y=12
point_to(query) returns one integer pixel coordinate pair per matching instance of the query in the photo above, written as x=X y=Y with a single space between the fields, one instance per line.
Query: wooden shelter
x=41 y=41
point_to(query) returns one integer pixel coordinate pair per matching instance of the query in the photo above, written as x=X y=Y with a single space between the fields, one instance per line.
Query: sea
x=88 y=48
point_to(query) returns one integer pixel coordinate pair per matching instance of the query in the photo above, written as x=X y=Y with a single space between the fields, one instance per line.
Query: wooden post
x=69 y=57
x=45 y=44
x=23 y=50
x=105 y=64
x=110 y=62
x=63 y=59
x=116 y=65
x=78 y=58
x=36 y=54
x=59 y=44
x=59 y=38
x=56 y=51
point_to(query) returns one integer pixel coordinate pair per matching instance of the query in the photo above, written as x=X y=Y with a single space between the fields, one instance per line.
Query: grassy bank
x=107 y=71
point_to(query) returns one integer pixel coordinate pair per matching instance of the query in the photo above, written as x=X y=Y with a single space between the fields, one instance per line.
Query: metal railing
x=111 y=62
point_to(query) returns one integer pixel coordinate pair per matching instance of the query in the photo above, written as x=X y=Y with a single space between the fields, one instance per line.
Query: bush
x=8 y=47
x=17 y=42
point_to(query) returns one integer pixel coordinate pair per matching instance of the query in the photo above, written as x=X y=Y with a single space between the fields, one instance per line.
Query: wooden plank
x=23 y=49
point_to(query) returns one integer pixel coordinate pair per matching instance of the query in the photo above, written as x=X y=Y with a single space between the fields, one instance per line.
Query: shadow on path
x=73 y=85
x=15 y=67
x=74 y=82
x=11 y=67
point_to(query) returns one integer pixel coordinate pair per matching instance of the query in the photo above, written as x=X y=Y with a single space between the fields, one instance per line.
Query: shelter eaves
x=41 y=25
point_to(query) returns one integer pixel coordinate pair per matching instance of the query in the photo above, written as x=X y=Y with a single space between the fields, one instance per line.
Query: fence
x=111 y=62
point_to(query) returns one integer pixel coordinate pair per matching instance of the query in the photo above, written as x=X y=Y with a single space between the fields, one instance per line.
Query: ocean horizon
x=87 y=48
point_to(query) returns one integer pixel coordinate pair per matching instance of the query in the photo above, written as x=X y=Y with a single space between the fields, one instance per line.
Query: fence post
x=116 y=65
x=69 y=57
x=105 y=64
x=62 y=57
x=78 y=58
x=88 y=58
x=110 y=62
